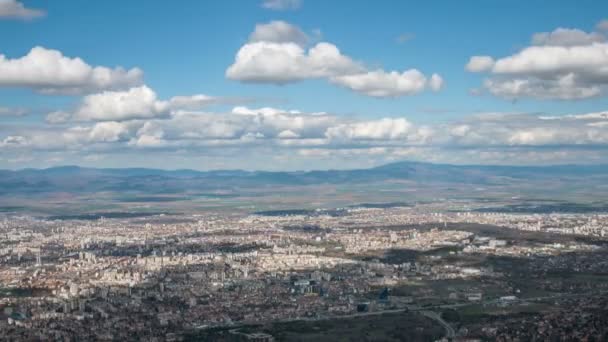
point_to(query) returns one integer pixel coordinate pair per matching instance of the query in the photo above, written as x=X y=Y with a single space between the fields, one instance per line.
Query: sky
x=302 y=84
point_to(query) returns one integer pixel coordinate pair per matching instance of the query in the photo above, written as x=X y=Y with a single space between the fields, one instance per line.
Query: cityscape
x=475 y=275
x=304 y=170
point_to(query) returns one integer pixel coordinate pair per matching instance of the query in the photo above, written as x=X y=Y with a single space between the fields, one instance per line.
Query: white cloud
x=566 y=64
x=549 y=60
x=269 y=111
x=533 y=136
x=249 y=132
x=247 y=127
x=13 y=9
x=197 y=126
x=135 y=103
x=436 y=82
x=387 y=84
x=459 y=130
x=272 y=121
x=291 y=129
x=498 y=129
x=563 y=88
x=348 y=152
x=147 y=141
x=276 y=53
x=192 y=102
x=288 y=134
x=603 y=124
x=110 y=131
x=281 y=5
x=280 y=63
x=566 y=37
x=13 y=140
x=383 y=129
x=278 y=32
x=186 y=129
x=480 y=63
x=596 y=119
x=589 y=116
x=49 y=71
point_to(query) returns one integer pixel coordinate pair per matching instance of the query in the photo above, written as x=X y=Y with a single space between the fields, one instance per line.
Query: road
x=428 y=311
x=449 y=331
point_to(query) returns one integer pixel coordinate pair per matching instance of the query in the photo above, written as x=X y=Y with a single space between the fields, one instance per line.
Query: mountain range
x=86 y=180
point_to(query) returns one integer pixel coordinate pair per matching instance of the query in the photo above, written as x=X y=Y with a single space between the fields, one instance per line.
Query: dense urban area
x=286 y=274
x=303 y=171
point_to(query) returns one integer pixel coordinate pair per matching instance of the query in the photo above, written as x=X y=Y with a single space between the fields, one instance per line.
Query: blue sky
x=186 y=48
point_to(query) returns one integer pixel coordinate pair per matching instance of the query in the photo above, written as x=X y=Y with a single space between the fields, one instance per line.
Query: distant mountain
x=86 y=180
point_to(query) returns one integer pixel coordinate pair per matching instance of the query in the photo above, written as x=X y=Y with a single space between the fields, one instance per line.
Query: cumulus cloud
x=241 y=127
x=110 y=131
x=280 y=63
x=13 y=9
x=134 y=103
x=550 y=60
x=436 y=82
x=266 y=111
x=480 y=63
x=268 y=122
x=566 y=37
x=383 y=129
x=273 y=121
x=380 y=83
x=287 y=128
x=281 y=5
x=49 y=71
x=277 y=53
x=564 y=88
x=288 y=134
x=278 y=32
x=147 y=141
x=503 y=129
x=566 y=64
x=193 y=102
x=251 y=131
x=187 y=129
x=459 y=130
